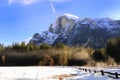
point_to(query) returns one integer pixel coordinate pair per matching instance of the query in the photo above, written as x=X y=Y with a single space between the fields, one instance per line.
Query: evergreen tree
x=2 y=47
x=45 y=46
x=113 y=49
x=23 y=47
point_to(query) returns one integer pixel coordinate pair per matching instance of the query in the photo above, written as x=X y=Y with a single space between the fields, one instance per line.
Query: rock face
x=73 y=31
x=64 y=24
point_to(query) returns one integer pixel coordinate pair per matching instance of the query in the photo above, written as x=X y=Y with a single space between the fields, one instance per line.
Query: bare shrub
x=83 y=54
x=41 y=63
x=47 y=61
x=111 y=62
x=91 y=62
x=62 y=61
x=3 y=59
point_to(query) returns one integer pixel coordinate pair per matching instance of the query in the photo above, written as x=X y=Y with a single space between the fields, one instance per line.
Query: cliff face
x=73 y=31
x=63 y=24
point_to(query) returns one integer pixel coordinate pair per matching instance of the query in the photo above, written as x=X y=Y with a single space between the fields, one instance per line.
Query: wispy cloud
x=59 y=0
x=24 y=2
x=52 y=7
x=27 y=2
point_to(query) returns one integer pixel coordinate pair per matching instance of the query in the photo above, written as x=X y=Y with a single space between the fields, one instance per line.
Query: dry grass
x=60 y=56
x=61 y=77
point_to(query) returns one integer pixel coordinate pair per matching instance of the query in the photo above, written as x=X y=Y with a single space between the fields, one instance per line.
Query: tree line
x=22 y=54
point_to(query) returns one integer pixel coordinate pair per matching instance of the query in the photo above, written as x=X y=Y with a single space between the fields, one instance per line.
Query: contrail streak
x=52 y=7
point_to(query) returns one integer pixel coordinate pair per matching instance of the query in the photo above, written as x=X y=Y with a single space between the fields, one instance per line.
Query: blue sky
x=20 y=19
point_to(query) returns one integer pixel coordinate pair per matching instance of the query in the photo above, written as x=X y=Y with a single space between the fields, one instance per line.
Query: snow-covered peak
x=70 y=16
x=67 y=28
x=44 y=37
x=106 y=23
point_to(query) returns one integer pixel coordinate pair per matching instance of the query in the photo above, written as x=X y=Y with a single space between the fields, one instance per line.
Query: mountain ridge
x=74 y=31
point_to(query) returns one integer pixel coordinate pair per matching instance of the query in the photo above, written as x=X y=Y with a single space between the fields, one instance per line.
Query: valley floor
x=50 y=73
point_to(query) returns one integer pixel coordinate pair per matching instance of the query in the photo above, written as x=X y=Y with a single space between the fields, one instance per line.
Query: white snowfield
x=47 y=73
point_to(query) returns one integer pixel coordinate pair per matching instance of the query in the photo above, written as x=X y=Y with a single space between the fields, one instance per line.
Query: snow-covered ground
x=49 y=73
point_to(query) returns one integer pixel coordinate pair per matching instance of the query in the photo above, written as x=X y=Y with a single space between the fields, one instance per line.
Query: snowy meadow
x=52 y=73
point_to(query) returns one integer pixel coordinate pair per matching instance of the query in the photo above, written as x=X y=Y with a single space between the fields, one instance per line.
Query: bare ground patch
x=61 y=76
